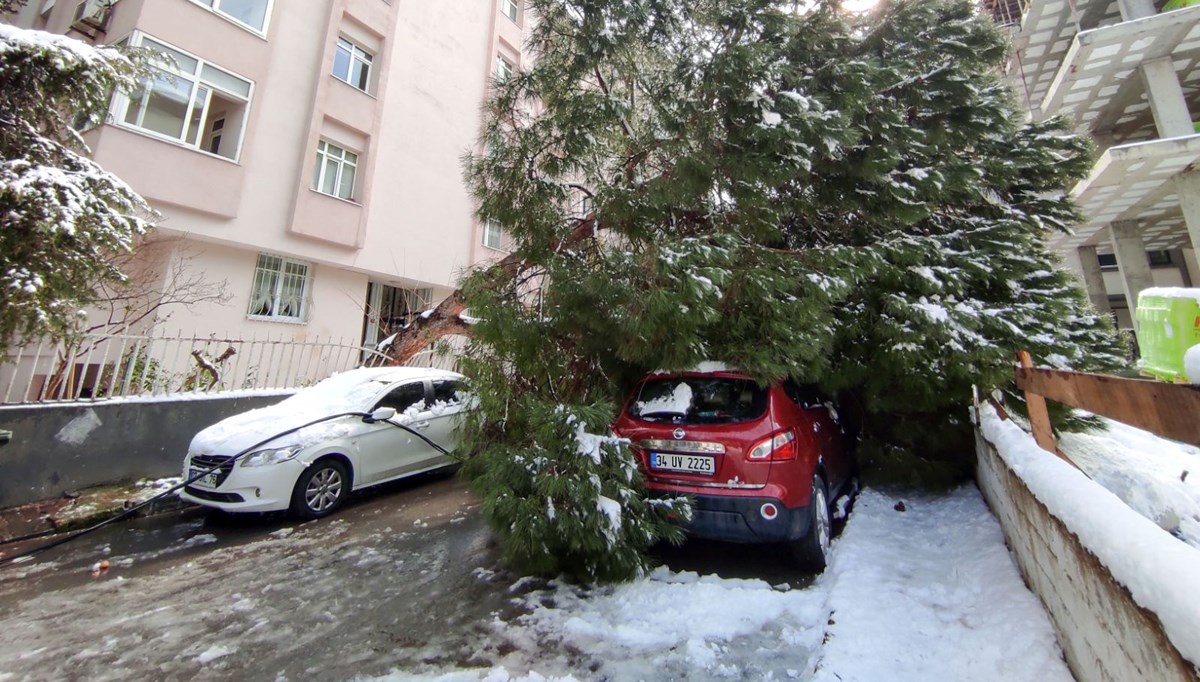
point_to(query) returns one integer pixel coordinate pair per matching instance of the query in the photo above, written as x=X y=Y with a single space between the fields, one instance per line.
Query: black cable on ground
x=10 y=560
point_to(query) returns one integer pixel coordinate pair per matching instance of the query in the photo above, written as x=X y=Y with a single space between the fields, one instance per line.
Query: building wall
x=335 y=308
x=410 y=222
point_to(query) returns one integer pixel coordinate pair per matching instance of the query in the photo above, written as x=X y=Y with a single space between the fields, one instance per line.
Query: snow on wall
x=1120 y=590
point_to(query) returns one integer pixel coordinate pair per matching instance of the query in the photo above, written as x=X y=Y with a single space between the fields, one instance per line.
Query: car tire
x=321 y=489
x=811 y=550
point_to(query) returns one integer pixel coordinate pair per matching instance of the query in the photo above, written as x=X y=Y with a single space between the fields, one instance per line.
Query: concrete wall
x=56 y=448
x=1104 y=634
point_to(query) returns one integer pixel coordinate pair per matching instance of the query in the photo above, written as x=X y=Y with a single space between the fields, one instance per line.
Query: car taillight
x=780 y=446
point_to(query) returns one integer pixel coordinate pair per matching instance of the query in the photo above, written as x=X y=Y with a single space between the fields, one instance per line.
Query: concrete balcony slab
x=1044 y=39
x=1097 y=86
x=1135 y=182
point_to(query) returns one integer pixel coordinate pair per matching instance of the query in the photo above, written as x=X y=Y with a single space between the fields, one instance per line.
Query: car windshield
x=699 y=400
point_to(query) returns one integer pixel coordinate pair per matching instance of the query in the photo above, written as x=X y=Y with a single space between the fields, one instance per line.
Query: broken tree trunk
x=445 y=319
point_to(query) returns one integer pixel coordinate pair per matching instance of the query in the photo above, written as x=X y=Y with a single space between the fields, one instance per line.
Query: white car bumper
x=247 y=489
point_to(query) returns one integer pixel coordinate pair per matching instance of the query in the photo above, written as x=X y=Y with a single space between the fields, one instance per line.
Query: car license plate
x=207 y=481
x=688 y=463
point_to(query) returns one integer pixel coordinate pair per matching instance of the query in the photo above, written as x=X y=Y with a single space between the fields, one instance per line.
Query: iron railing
x=105 y=366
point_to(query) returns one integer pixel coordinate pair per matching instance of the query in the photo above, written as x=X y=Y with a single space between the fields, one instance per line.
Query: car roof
x=392 y=374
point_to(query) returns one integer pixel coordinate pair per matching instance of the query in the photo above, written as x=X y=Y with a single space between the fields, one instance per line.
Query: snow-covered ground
x=927 y=593
x=1158 y=478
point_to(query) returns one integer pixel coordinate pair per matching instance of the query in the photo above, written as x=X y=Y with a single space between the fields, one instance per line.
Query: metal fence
x=1006 y=13
x=103 y=366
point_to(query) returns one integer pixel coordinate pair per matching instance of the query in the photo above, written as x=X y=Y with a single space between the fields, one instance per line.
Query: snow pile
x=1158 y=570
x=1156 y=477
x=677 y=625
x=931 y=593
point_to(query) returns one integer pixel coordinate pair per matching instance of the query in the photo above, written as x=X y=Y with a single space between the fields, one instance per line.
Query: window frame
x=122 y=101
x=503 y=74
x=407 y=384
x=215 y=8
x=323 y=157
x=491 y=227
x=354 y=52
x=515 y=14
x=277 y=295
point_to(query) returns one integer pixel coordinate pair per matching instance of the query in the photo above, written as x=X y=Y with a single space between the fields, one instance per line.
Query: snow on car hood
x=231 y=436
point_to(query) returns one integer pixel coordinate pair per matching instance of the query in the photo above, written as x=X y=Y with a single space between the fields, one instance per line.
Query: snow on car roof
x=389 y=374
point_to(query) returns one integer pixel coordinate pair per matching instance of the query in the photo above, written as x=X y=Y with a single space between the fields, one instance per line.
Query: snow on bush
x=1158 y=570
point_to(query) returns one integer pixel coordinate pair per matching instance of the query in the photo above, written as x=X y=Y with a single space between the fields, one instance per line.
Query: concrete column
x=1187 y=188
x=1131 y=261
x=27 y=14
x=1093 y=279
x=1171 y=115
x=1136 y=9
x=1191 y=266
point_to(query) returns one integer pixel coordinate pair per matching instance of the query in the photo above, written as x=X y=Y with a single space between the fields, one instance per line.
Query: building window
x=1156 y=259
x=184 y=98
x=492 y=235
x=1159 y=258
x=334 y=172
x=250 y=13
x=352 y=64
x=504 y=69
x=511 y=10
x=280 y=288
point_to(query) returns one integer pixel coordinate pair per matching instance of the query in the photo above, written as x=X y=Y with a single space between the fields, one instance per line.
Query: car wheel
x=811 y=550
x=321 y=489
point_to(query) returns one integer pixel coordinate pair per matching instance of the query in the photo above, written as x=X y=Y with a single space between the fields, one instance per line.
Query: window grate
x=280 y=289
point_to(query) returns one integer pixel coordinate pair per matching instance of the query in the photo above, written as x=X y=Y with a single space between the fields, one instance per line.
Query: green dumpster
x=1168 y=325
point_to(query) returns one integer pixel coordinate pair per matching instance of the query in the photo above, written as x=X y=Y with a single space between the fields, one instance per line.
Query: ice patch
x=212 y=653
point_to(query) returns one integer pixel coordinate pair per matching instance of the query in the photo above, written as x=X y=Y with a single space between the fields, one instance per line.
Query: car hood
x=235 y=434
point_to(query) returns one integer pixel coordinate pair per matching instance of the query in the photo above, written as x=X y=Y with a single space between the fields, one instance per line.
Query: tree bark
x=445 y=319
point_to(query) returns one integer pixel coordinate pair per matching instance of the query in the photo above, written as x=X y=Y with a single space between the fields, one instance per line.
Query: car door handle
x=421 y=425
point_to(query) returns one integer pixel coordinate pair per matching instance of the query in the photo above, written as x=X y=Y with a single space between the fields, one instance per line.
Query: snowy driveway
x=406 y=586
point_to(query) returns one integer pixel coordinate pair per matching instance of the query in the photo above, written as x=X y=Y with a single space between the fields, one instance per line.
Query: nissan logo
x=679 y=434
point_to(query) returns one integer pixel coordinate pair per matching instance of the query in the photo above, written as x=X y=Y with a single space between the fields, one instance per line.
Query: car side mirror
x=380 y=414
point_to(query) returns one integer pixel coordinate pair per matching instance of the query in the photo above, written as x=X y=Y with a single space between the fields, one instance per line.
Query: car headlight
x=272 y=456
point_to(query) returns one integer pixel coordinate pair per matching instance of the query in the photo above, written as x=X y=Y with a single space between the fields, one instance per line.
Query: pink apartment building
x=306 y=152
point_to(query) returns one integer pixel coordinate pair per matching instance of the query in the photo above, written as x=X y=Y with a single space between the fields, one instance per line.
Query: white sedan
x=311 y=470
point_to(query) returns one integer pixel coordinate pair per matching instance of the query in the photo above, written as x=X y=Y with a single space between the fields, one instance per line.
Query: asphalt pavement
x=406 y=576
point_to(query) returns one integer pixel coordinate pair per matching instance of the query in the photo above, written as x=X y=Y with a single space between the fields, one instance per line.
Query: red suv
x=761 y=464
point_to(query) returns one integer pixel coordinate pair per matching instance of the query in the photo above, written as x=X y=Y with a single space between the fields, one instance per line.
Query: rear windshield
x=699 y=400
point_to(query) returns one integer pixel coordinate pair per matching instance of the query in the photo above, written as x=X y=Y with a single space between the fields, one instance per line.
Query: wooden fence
x=1168 y=410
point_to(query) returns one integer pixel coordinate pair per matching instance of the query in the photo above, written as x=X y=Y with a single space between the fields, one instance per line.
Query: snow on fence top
x=1158 y=570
